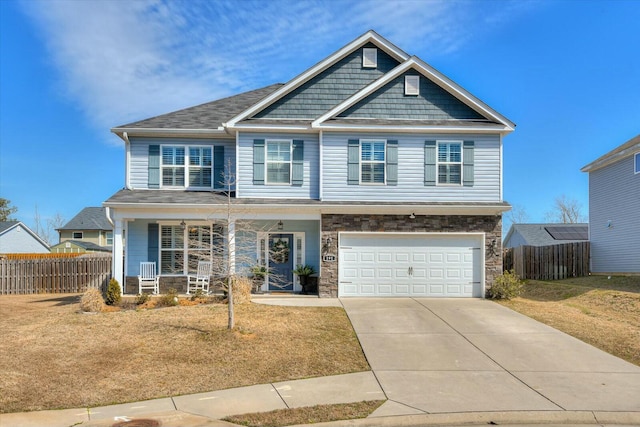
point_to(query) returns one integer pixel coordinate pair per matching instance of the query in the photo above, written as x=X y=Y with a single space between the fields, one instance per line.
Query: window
x=372 y=162
x=637 y=162
x=171 y=249
x=449 y=162
x=173 y=166
x=412 y=85
x=77 y=235
x=369 y=57
x=200 y=166
x=278 y=162
x=109 y=238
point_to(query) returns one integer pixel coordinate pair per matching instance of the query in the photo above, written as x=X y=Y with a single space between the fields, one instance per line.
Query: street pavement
x=436 y=361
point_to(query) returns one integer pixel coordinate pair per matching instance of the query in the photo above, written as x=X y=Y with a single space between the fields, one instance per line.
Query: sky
x=566 y=72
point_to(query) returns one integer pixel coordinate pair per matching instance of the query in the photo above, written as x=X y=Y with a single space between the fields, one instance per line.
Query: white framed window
x=637 y=162
x=200 y=166
x=278 y=162
x=109 y=238
x=369 y=57
x=77 y=235
x=412 y=85
x=372 y=161
x=449 y=162
x=173 y=166
x=191 y=243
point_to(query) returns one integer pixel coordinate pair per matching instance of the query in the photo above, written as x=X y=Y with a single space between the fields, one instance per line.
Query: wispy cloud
x=125 y=60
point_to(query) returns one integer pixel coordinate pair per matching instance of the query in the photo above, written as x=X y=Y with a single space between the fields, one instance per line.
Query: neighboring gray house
x=614 y=209
x=90 y=225
x=371 y=166
x=545 y=234
x=17 y=238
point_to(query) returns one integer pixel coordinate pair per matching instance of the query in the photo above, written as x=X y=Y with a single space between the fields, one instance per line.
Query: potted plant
x=258 y=273
x=303 y=272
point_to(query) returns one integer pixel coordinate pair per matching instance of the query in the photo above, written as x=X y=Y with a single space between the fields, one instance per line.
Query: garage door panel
x=409 y=265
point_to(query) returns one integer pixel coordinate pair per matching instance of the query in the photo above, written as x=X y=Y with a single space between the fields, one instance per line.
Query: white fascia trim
x=433 y=75
x=415 y=129
x=198 y=133
x=263 y=127
x=369 y=36
x=608 y=159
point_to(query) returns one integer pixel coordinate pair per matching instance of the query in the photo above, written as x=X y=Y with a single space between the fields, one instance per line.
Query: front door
x=281 y=262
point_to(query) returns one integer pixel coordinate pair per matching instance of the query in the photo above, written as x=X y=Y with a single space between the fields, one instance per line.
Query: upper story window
x=186 y=166
x=77 y=235
x=109 y=238
x=200 y=166
x=278 y=162
x=369 y=57
x=637 y=162
x=450 y=162
x=173 y=166
x=372 y=161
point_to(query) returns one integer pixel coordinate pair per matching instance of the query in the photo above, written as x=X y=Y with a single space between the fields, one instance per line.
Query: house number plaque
x=329 y=258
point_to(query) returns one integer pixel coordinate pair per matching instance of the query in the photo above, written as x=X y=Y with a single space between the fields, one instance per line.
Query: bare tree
x=517 y=215
x=48 y=232
x=566 y=211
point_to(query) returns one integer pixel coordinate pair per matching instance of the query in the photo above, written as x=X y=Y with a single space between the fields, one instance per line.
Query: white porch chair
x=201 y=279
x=148 y=279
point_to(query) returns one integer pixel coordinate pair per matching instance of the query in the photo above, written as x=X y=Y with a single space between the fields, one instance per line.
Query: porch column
x=232 y=246
x=117 y=263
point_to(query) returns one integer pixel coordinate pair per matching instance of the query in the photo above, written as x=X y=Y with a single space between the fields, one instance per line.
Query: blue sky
x=566 y=72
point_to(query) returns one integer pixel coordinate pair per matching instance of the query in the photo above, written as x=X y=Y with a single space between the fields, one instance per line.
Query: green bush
x=506 y=286
x=169 y=299
x=142 y=298
x=113 y=293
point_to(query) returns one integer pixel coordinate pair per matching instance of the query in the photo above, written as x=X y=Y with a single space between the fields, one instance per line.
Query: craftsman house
x=371 y=166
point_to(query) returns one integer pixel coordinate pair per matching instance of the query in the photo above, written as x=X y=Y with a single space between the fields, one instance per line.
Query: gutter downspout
x=127 y=157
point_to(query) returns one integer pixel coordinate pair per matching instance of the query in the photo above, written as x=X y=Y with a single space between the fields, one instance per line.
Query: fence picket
x=548 y=262
x=54 y=275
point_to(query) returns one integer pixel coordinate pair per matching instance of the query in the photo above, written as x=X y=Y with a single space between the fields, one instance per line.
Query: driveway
x=463 y=355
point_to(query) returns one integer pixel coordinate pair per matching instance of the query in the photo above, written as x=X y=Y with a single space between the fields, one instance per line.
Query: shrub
x=169 y=299
x=242 y=286
x=506 y=286
x=91 y=301
x=113 y=293
x=142 y=298
x=199 y=294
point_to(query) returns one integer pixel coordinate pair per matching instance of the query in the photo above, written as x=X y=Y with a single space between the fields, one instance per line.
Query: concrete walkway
x=437 y=361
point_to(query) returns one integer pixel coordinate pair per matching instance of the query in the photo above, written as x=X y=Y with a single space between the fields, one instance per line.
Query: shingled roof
x=90 y=218
x=210 y=115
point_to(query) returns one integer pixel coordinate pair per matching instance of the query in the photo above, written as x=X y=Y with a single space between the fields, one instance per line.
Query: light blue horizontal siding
x=614 y=195
x=311 y=165
x=410 y=187
x=139 y=155
x=137 y=246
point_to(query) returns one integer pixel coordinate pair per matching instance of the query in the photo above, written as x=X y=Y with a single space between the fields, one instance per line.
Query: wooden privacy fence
x=54 y=275
x=553 y=262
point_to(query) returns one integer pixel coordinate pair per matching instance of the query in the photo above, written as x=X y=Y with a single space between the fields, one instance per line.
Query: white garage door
x=418 y=264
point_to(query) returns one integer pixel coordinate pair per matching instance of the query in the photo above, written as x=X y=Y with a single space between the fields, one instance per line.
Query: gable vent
x=370 y=57
x=412 y=85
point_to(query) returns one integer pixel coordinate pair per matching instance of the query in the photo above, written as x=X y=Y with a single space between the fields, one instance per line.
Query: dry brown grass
x=54 y=356
x=307 y=415
x=600 y=311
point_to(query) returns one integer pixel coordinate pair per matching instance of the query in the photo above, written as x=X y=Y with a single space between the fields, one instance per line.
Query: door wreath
x=280 y=251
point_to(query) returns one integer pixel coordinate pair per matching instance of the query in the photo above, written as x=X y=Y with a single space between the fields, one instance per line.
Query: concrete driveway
x=466 y=355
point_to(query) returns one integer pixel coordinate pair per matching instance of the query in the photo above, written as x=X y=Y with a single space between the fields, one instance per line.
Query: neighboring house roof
x=6 y=226
x=548 y=234
x=629 y=148
x=90 y=218
x=88 y=246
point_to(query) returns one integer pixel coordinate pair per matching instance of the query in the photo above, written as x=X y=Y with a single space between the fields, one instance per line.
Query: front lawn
x=602 y=311
x=54 y=357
